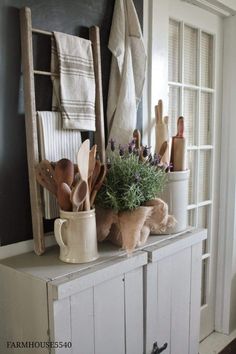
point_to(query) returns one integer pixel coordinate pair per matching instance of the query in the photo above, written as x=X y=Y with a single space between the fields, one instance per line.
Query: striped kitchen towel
x=55 y=143
x=74 y=89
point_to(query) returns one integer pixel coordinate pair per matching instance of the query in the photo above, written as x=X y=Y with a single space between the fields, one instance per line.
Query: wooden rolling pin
x=162 y=134
x=178 y=157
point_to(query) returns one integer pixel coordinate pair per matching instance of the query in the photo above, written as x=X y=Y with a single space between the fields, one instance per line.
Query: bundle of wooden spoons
x=75 y=186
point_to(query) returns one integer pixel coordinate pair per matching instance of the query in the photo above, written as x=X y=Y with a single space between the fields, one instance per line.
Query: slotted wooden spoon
x=45 y=176
x=64 y=172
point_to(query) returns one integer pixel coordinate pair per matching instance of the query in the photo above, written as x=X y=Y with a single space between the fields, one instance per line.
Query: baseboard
x=215 y=342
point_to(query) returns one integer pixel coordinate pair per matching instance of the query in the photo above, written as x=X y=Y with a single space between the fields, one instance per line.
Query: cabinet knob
x=157 y=350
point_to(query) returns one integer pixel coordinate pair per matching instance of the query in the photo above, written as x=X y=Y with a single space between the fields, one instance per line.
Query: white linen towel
x=127 y=74
x=74 y=90
x=54 y=144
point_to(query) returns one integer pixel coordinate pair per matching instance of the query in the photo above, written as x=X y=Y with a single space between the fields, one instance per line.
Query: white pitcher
x=76 y=235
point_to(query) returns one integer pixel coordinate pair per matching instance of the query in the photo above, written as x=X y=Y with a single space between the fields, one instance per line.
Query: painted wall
x=226 y=280
x=71 y=16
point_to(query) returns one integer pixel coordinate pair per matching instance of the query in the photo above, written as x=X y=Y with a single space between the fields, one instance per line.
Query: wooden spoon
x=99 y=182
x=96 y=172
x=83 y=164
x=63 y=196
x=45 y=176
x=163 y=149
x=92 y=160
x=78 y=194
x=64 y=172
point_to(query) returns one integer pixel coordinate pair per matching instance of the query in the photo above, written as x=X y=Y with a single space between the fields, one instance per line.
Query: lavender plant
x=130 y=181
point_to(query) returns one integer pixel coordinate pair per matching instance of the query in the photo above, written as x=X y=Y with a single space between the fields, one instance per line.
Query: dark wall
x=71 y=16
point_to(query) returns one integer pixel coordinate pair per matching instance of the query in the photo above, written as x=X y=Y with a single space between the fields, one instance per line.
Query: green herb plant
x=130 y=181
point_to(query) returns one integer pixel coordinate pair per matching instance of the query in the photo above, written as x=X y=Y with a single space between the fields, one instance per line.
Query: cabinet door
x=109 y=311
x=167 y=283
x=103 y=319
x=118 y=314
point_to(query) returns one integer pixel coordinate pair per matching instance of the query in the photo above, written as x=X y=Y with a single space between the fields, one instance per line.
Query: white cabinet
x=172 y=280
x=98 y=306
x=100 y=311
x=116 y=304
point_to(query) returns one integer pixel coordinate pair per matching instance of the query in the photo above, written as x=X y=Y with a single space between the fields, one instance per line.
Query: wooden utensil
x=94 y=36
x=45 y=176
x=83 y=164
x=162 y=150
x=64 y=172
x=137 y=139
x=95 y=174
x=78 y=194
x=92 y=160
x=99 y=182
x=63 y=196
x=162 y=134
x=179 y=148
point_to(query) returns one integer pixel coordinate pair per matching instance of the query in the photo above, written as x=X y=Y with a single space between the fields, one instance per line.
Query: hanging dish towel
x=55 y=143
x=127 y=74
x=74 y=90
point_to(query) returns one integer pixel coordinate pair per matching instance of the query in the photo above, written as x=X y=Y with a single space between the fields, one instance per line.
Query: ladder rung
x=46 y=73
x=47 y=33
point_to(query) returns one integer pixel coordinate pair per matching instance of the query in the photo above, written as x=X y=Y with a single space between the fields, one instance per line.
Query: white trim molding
x=156 y=22
x=221 y=8
x=226 y=267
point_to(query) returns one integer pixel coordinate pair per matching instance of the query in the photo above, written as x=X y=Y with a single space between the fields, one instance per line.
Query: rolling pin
x=162 y=134
x=178 y=157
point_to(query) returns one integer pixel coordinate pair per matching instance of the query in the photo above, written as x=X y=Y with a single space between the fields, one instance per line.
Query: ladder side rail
x=94 y=35
x=31 y=129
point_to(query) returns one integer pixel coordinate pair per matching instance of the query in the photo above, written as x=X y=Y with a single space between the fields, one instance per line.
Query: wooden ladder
x=30 y=116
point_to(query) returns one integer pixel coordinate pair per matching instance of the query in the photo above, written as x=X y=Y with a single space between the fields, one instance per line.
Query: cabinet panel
x=172 y=296
x=60 y=324
x=134 y=311
x=180 y=301
x=158 y=304
x=195 y=298
x=164 y=308
x=109 y=310
x=150 y=305
x=82 y=322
